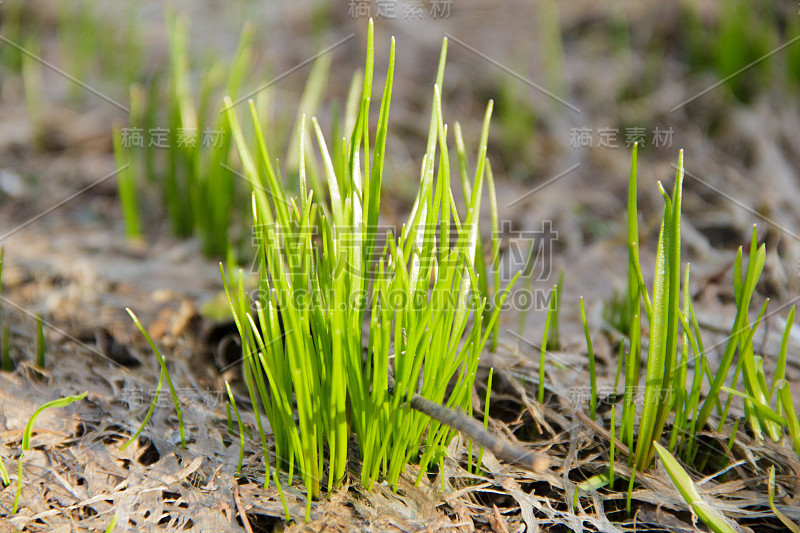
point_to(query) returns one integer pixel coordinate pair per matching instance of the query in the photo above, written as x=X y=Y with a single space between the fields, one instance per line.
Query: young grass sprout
x=26 y=438
x=164 y=375
x=675 y=342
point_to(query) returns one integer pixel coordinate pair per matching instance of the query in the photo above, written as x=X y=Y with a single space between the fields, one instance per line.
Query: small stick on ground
x=502 y=449
x=240 y=508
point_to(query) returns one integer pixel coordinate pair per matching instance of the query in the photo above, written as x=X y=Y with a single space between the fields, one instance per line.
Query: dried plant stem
x=501 y=448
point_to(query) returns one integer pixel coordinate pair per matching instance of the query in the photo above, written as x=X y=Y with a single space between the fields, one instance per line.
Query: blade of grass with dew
x=655 y=358
x=672 y=310
x=680 y=478
x=26 y=436
x=166 y=375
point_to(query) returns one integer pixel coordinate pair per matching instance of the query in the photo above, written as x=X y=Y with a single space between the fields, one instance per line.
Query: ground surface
x=72 y=264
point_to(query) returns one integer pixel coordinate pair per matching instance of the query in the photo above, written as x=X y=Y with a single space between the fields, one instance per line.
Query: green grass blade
x=543 y=350
x=747 y=287
x=40 y=347
x=149 y=412
x=26 y=436
x=612 y=429
x=163 y=364
x=791 y=526
x=792 y=423
x=592 y=371
x=780 y=367
x=658 y=342
x=495 y=249
x=241 y=428
x=126 y=184
x=710 y=517
x=113 y=523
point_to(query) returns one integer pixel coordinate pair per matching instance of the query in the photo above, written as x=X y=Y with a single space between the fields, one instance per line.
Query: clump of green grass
x=740 y=35
x=359 y=309
x=675 y=344
x=185 y=151
x=85 y=27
